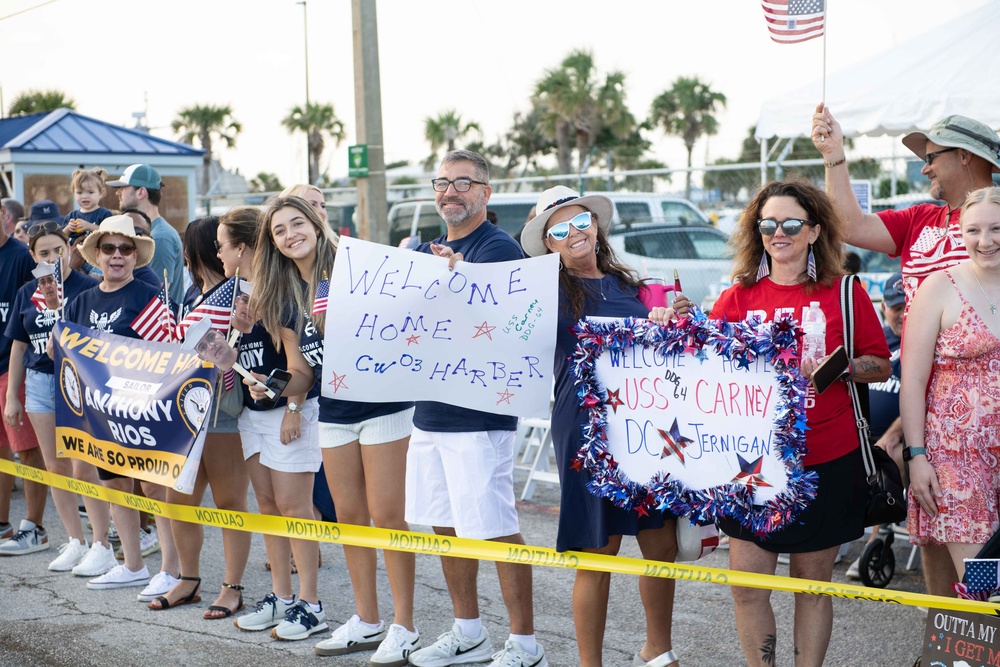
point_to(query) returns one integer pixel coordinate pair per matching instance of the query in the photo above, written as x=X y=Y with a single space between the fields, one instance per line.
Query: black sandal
x=226 y=611
x=193 y=597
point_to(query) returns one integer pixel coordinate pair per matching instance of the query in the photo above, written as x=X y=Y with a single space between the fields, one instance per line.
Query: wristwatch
x=293 y=407
x=910 y=452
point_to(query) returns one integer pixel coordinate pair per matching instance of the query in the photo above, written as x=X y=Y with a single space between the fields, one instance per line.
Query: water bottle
x=814 y=328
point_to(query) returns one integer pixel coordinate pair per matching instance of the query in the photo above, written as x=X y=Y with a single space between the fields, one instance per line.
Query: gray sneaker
x=270 y=611
x=301 y=622
x=28 y=539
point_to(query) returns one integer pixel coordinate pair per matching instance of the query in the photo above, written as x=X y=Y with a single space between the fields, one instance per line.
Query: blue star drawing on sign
x=750 y=474
x=743 y=362
x=676 y=443
x=614 y=400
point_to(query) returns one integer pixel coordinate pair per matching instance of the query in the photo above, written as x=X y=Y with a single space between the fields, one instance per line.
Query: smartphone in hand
x=276 y=382
x=831 y=369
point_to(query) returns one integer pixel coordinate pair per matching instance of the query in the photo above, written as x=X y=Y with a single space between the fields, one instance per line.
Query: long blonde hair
x=276 y=280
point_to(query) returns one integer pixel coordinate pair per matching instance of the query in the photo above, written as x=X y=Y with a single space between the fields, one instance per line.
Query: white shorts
x=260 y=433
x=374 y=431
x=462 y=480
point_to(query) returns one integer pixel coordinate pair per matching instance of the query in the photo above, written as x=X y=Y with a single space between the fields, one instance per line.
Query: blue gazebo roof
x=66 y=131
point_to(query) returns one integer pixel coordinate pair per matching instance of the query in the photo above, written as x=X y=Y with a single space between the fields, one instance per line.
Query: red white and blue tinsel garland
x=739 y=341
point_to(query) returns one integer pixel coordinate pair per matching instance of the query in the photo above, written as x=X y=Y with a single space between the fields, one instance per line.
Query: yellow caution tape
x=460 y=547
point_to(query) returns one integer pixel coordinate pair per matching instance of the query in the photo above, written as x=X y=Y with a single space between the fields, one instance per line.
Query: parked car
x=418 y=217
x=699 y=254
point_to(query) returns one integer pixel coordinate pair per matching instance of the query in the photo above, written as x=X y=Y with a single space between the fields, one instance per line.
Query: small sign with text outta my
x=401 y=327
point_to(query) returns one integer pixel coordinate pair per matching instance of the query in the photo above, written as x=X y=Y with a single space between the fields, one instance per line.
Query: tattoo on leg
x=767 y=650
x=796 y=651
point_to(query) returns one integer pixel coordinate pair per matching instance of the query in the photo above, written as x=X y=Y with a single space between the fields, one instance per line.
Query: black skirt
x=835 y=517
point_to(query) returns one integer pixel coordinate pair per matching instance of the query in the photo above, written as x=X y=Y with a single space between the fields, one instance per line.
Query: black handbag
x=885 y=485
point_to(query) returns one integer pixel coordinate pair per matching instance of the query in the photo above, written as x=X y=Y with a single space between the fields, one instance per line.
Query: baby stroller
x=877 y=563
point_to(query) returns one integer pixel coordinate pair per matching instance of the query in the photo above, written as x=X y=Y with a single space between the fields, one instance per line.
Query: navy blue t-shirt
x=332 y=410
x=15 y=270
x=32 y=326
x=147 y=275
x=487 y=244
x=112 y=312
x=883 y=397
x=258 y=355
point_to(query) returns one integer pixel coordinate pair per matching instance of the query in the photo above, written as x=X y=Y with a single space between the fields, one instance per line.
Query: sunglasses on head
x=791 y=227
x=126 y=249
x=560 y=230
x=50 y=227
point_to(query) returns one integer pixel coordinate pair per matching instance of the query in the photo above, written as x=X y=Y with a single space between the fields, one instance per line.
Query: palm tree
x=39 y=101
x=445 y=130
x=205 y=123
x=315 y=121
x=265 y=181
x=686 y=110
x=576 y=105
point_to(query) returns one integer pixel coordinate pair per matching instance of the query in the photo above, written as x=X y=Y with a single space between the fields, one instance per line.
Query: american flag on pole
x=322 y=295
x=218 y=307
x=156 y=323
x=39 y=300
x=793 y=21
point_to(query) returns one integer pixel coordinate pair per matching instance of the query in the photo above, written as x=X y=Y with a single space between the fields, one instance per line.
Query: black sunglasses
x=791 y=227
x=929 y=158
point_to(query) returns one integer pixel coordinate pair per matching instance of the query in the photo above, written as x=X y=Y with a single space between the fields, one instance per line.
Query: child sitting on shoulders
x=88 y=188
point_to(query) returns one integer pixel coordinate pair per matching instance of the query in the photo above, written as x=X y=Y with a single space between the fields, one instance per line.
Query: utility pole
x=305 y=42
x=372 y=208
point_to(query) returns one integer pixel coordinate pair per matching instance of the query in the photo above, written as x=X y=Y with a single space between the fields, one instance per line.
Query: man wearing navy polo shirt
x=140 y=188
x=460 y=463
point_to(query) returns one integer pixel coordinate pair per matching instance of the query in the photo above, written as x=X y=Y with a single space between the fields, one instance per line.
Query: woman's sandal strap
x=235 y=587
x=182 y=578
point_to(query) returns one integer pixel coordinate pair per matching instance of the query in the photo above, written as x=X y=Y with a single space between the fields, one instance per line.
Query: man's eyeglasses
x=791 y=227
x=50 y=227
x=461 y=184
x=929 y=158
x=125 y=249
x=560 y=231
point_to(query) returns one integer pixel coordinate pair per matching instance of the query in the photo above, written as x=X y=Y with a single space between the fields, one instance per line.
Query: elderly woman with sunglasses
x=28 y=328
x=789 y=252
x=593 y=282
x=112 y=306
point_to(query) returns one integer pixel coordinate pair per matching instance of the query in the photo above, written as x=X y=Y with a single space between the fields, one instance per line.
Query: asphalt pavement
x=53 y=619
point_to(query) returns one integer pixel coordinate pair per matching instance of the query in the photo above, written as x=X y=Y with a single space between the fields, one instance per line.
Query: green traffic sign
x=357 y=161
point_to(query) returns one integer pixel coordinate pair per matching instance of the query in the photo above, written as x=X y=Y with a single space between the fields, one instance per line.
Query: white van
x=418 y=217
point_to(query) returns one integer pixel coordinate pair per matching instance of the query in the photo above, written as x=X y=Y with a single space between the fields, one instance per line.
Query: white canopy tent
x=951 y=69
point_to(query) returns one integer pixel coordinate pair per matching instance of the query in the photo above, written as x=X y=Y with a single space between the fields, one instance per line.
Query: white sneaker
x=159 y=585
x=301 y=622
x=70 y=555
x=351 y=637
x=119 y=577
x=514 y=655
x=149 y=542
x=854 y=571
x=454 y=648
x=662 y=660
x=99 y=559
x=270 y=611
x=395 y=649
x=28 y=539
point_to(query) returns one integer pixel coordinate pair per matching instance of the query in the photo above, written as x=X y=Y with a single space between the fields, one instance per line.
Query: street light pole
x=305 y=41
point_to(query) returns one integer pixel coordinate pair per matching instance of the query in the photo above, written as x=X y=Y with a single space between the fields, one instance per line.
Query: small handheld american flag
x=793 y=21
x=322 y=295
x=156 y=323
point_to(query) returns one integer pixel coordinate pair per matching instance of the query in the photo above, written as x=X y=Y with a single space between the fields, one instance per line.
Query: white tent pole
x=826 y=28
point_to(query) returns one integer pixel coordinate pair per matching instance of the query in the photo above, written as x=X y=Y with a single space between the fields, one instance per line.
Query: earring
x=597 y=247
x=811 y=267
x=560 y=265
x=763 y=270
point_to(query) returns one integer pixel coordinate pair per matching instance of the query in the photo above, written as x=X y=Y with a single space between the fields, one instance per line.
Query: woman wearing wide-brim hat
x=593 y=282
x=111 y=307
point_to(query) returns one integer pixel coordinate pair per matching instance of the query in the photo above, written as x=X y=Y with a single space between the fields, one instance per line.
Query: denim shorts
x=39 y=392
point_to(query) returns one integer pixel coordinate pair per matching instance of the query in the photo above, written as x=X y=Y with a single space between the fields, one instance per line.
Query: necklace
x=797 y=280
x=993 y=306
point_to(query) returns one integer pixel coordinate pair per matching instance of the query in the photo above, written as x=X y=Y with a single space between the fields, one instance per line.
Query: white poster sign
x=402 y=327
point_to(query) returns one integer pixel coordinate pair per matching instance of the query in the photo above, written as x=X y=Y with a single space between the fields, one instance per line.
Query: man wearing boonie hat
x=960 y=155
x=140 y=187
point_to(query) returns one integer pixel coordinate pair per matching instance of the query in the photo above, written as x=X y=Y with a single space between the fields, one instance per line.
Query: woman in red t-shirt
x=789 y=252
